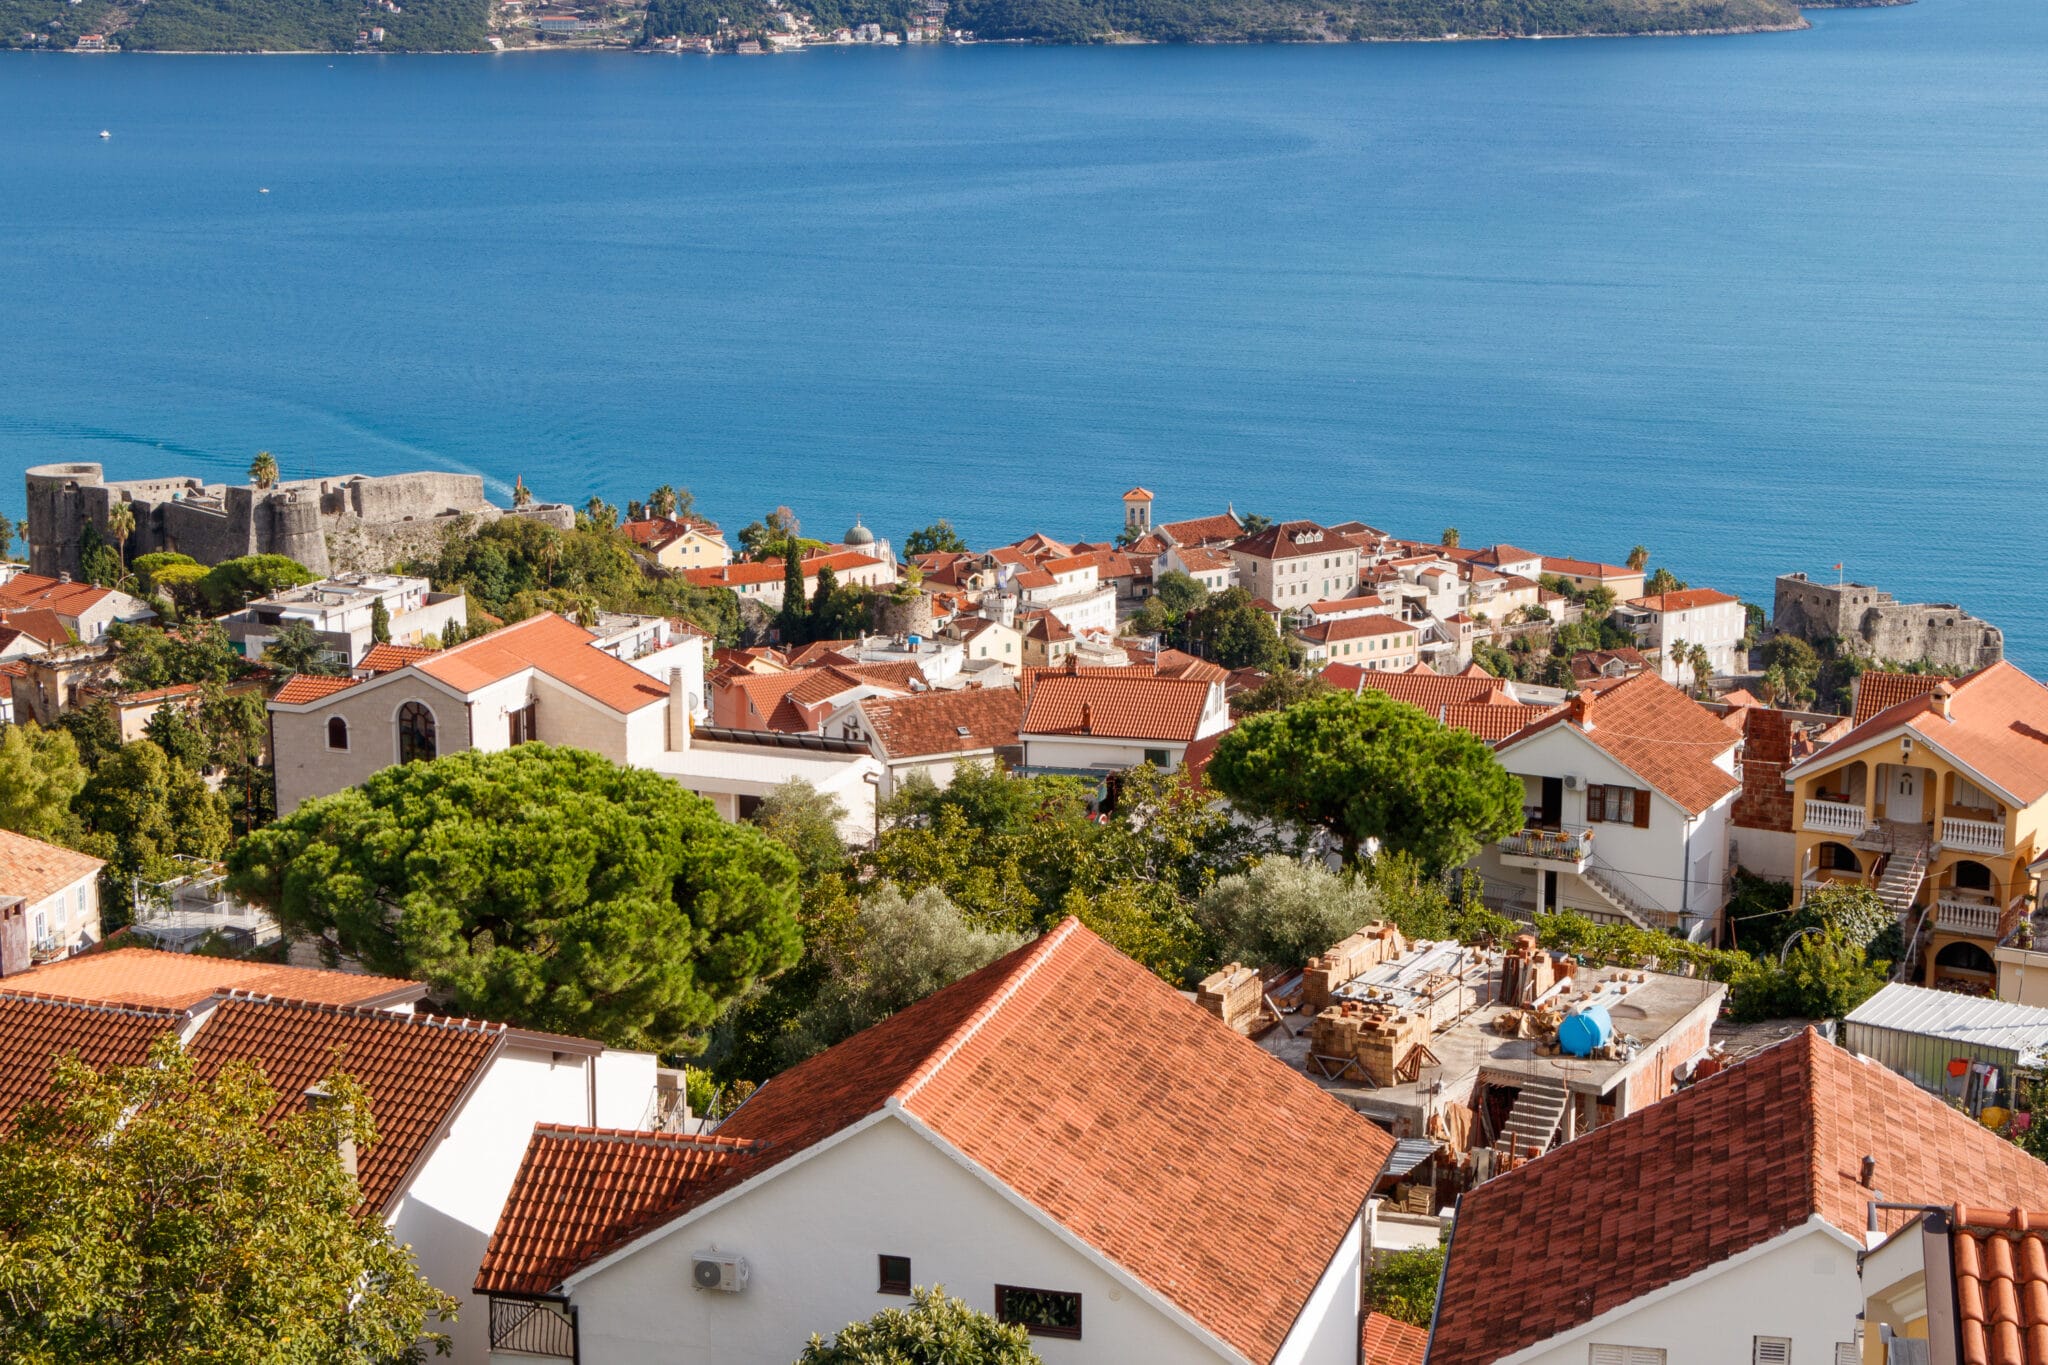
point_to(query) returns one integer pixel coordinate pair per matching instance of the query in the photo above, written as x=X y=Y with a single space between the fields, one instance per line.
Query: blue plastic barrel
x=1585 y=1030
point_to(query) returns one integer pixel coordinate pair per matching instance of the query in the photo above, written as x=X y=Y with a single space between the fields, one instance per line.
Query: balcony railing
x=1973 y=836
x=529 y=1328
x=1966 y=917
x=1836 y=817
x=1561 y=845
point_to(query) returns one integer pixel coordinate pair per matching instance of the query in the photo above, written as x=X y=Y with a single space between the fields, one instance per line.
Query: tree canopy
x=153 y=1214
x=1229 y=629
x=1369 y=767
x=544 y=886
x=937 y=538
x=933 y=1330
x=39 y=775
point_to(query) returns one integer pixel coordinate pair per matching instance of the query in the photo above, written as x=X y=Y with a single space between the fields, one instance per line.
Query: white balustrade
x=1973 y=836
x=1836 y=817
x=1966 y=917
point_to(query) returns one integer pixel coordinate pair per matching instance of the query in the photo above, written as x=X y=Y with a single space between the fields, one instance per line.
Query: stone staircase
x=1533 y=1122
x=1904 y=869
x=1615 y=889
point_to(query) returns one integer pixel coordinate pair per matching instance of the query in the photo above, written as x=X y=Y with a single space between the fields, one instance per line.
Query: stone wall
x=328 y=525
x=1871 y=622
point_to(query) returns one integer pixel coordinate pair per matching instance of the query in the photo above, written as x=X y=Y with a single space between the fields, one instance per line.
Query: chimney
x=319 y=1097
x=678 y=713
x=1578 y=709
x=1941 y=696
x=1087 y=718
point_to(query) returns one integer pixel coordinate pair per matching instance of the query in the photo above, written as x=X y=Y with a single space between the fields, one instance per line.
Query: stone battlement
x=354 y=522
x=1871 y=622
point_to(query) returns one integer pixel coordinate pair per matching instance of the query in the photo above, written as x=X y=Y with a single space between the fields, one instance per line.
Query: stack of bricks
x=1376 y=943
x=1232 y=995
x=1527 y=972
x=1378 y=1036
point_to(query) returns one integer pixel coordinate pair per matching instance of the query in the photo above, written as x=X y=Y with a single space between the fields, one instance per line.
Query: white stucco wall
x=811 y=1236
x=1327 y=1331
x=1804 y=1287
x=69 y=918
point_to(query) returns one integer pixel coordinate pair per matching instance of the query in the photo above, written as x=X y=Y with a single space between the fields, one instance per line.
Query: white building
x=1295 y=563
x=932 y=733
x=342 y=610
x=762 y=580
x=49 y=901
x=1694 y=616
x=1213 y=568
x=1722 y=1224
x=1628 y=796
x=1045 y=1138
x=1071 y=589
x=1103 y=720
x=84 y=610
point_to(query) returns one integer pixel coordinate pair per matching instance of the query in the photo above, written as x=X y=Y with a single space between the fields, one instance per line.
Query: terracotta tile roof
x=1047 y=628
x=1492 y=723
x=35 y=1032
x=1390 y=1341
x=1203 y=530
x=388 y=658
x=147 y=977
x=416 y=1069
x=1152 y=544
x=1140 y=494
x=934 y=722
x=28 y=591
x=158 y=694
x=1997 y=727
x=1194 y=760
x=1293 y=540
x=1088 y=1086
x=1586 y=568
x=1123 y=707
x=551 y=645
x=34 y=870
x=2000 y=1259
x=655 y=532
x=1173 y=663
x=1685 y=600
x=301 y=688
x=582 y=1191
x=1356 y=628
x=39 y=624
x=1429 y=691
x=1658 y=733
x=1498 y=555
x=1877 y=692
x=1336 y=606
x=1690 y=1181
x=1203 y=558
x=823 y=651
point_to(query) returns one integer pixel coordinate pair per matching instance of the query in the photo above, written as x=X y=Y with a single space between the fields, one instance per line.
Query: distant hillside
x=333 y=25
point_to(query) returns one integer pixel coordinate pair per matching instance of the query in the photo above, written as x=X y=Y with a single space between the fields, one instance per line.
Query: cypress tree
x=793 y=622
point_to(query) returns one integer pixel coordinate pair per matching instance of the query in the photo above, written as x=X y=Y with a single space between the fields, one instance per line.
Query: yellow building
x=1940 y=802
x=679 y=543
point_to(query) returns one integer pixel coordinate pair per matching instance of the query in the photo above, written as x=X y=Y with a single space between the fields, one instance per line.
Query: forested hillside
x=247 y=25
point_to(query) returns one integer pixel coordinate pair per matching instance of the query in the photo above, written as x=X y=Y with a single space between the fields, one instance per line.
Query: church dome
x=859 y=535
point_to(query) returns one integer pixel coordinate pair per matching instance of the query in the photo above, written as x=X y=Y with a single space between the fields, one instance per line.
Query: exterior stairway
x=1533 y=1122
x=1616 y=891
x=1904 y=870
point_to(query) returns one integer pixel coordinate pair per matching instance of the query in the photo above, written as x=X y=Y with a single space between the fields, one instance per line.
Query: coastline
x=1796 y=25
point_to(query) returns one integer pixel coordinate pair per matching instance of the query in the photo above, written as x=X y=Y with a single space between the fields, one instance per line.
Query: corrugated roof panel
x=1965 y=1020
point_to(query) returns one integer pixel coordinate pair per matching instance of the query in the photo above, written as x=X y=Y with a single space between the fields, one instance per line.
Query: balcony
x=1548 y=848
x=1966 y=916
x=1836 y=817
x=1972 y=836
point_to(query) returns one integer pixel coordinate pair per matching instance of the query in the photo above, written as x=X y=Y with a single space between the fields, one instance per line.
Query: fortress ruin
x=1873 y=624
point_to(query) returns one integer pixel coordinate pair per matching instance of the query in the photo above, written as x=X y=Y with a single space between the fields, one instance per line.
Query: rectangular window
x=1601 y=1353
x=1041 y=1312
x=1617 y=806
x=524 y=722
x=1771 y=1351
x=1158 y=758
x=895 y=1275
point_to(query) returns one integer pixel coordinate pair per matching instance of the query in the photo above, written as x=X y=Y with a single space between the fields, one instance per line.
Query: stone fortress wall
x=1874 y=624
x=331 y=526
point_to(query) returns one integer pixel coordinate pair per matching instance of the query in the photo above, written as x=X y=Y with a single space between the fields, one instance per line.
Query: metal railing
x=1973 y=836
x=1836 y=817
x=532 y=1327
x=1568 y=845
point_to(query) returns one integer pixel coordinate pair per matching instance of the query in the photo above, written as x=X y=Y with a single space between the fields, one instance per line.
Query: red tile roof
x=1173 y=663
x=416 y=1070
x=301 y=688
x=1877 y=692
x=1684 y=600
x=1658 y=733
x=39 y=624
x=551 y=645
x=933 y=723
x=34 y=870
x=1390 y=1341
x=1138 y=706
x=1203 y=530
x=2000 y=1259
x=1203 y=558
x=582 y=1191
x=1138 y=495
x=35 y=1032
x=1997 y=727
x=1293 y=540
x=758 y=571
x=147 y=977
x=1490 y=721
x=1089 y=1087
x=388 y=658
x=1586 y=568
x=1429 y=691
x=1683 y=1185
x=1356 y=628
x=29 y=591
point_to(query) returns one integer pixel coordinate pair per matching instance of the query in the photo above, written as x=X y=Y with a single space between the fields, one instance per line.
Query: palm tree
x=662 y=502
x=522 y=496
x=263 y=470
x=1450 y=538
x=120 y=526
x=1639 y=558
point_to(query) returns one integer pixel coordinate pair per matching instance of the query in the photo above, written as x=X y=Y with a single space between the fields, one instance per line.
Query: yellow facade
x=1868 y=813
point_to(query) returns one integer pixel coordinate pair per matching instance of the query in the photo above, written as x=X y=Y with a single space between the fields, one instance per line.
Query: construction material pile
x=1233 y=995
x=1527 y=973
x=1378 y=1037
x=1376 y=943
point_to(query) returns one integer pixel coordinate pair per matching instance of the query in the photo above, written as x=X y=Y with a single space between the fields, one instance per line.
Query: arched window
x=1965 y=957
x=1839 y=857
x=337 y=733
x=415 y=733
x=1973 y=876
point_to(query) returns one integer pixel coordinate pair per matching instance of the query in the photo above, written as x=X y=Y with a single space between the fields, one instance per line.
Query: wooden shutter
x=1771 y=1351
x=1596 y=811
x=1642 y=810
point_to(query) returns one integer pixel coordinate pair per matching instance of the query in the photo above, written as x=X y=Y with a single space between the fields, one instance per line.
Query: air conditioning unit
x=716 y=1270
x=1571 y=782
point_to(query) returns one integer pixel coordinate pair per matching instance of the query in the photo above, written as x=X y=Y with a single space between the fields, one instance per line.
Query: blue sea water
x=1762 y=303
